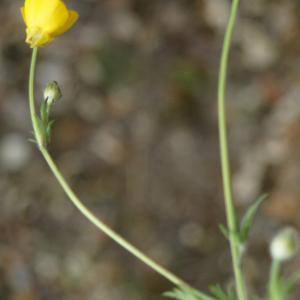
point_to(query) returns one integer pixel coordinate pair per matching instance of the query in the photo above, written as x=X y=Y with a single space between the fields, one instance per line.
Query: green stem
x=274 y=280
x=34 y=118
x=75 y=200
x=226 y=173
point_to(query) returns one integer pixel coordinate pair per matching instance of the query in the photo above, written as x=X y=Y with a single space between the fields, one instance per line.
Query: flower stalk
x=274 y=292
x=72 y=196
x=224 y=156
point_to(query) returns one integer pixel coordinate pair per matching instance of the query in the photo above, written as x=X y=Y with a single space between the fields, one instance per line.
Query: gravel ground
x=136 y=136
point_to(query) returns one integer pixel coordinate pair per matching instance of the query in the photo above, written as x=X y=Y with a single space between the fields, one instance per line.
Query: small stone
x=216 y=13
x=258 y=48
x=14 y=152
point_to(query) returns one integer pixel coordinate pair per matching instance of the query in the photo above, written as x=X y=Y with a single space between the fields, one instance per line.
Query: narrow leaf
x=231 y=293
x=42 y=134
x=49 y=131
x=187 y=293
x=43 y=112
x=218 y=292
x=32 y=141
x=224 y=231
x=248 y=219
x=291 y=282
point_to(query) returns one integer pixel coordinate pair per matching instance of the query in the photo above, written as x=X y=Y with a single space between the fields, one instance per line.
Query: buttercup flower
x=45 y=20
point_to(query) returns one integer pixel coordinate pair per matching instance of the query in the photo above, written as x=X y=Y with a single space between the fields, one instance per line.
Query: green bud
x=285 y=244
x=52 y=93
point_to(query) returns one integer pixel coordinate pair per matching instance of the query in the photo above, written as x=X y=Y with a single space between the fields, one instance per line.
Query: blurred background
x=136 y=136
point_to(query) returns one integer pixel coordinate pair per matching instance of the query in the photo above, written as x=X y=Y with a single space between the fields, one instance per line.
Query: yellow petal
x=37 y=11
x=56 y=19
x=23 y=15
x=73 y=16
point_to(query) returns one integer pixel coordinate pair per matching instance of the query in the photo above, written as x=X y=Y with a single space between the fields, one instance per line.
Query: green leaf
x=45 y=125
x=32 y=141
x=224 y=231
x=247 y=220
x=49 y=131
x=42 y=134
x=187 y=293
x=43 y=112
x=231 y=292
x=218 y=292
x=179 y=294
x=290 y=283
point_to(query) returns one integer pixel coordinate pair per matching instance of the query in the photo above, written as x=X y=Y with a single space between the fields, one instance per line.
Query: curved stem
x=76 y=201
x=226 y=173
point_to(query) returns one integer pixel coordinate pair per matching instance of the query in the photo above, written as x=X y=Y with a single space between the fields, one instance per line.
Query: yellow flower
x=45 y=20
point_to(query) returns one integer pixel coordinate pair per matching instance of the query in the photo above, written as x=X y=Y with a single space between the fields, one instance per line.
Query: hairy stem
x=226 y=173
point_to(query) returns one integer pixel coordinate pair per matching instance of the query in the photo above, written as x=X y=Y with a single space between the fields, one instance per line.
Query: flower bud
x=52 y=93
x=285 y=244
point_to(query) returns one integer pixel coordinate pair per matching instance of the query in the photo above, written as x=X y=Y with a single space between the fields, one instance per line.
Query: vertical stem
x=76 y=201
x=226 y=173
x=274 y=278
x=31 y=97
